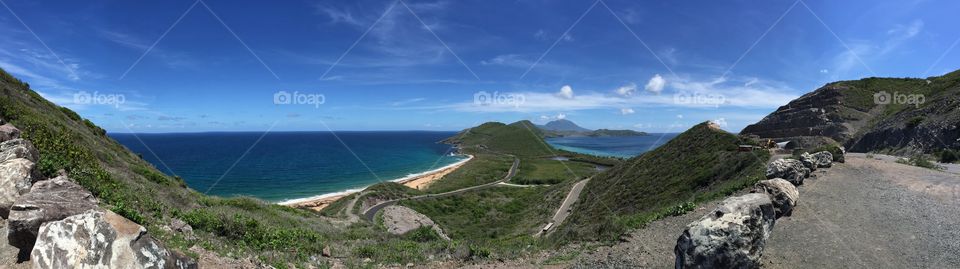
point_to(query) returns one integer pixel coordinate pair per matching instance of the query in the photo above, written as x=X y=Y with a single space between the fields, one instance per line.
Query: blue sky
x=656 y=66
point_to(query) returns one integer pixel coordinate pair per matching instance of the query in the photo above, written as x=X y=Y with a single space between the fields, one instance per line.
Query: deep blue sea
x=290 y=165
x=618 y=146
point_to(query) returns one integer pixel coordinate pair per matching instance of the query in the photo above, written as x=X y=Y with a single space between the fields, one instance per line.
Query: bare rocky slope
x=897 y=115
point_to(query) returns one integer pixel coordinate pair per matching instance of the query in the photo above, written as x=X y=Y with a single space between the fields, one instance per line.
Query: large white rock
x=48 y=200
x=18 y=148
x=732 y=236
x=16 y=176
x=789 y=169
x=808 y=161
x=8 y=132
x=823 y=159
x=781 y=192
x=101 y=239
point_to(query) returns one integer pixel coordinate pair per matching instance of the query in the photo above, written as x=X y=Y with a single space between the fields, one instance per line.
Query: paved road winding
x=371 y=213
x=564 y=209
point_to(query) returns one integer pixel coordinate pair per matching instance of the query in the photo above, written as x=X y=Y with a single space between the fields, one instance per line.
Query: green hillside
x=238 y=227
x=698 y=165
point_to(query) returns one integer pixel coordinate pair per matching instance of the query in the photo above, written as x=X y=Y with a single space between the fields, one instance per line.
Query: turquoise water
x=290 y=165
x=619 y=146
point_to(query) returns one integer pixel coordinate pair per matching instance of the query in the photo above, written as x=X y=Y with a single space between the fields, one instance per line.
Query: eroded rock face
x=781 y=192
x=15 y=178
x=823 y=159
x=48 y=200
x=18 y=148
x=401 y=220
x=732 y=236
x=789 y=169
x=8 y=132
x=101 y=239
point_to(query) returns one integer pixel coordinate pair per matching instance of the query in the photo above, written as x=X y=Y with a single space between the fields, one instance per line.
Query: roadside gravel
x=864 y=213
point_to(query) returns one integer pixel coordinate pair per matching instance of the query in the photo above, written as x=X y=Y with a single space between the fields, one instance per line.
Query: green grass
x=699 y=165
x=236 y=227
x=484 y=168
x=500 y=220
x=546 y=171
x=920 y=160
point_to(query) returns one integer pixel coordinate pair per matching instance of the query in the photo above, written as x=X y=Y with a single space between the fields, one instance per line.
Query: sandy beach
x=416 y=181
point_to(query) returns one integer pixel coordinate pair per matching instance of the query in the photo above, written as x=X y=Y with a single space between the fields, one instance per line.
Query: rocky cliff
x=898 y=115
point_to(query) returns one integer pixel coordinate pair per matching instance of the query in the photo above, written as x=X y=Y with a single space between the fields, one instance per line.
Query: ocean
x=614 y=146
x=284 y=166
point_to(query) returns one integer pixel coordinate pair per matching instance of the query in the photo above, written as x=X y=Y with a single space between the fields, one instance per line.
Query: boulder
x=183 y=228
x=8 y=132
x=808 y=161
x=781 y=192
x=732 y=236
x=48 y=200
x=18 y=148
x=401 y=220
x=15 y=178
x=840 y=157
x=101 y=239
x=823 y=159
x=789 y=169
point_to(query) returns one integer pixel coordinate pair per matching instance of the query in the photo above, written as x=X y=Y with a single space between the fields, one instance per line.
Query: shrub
x=920 y=160
x=949 y=156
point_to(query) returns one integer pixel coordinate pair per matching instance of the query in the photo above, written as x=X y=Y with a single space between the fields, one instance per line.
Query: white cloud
x=407 y=101
x=627 y=90
x=566 y=92
x=824 y=71
x=722 y=122
x=561 y=116
x=508 y=60
x=858 y=54
x=626 y=111
x=656 y=84
x=735 y=92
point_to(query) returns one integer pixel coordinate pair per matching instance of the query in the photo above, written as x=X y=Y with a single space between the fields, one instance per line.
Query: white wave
x=352 y=191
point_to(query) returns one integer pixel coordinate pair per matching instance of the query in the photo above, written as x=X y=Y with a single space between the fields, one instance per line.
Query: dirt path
x=864 y=213
x=871 y=213
x=372 y=211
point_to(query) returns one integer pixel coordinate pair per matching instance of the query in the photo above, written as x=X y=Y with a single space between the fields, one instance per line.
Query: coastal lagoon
x=612 y=146
x=282 y=166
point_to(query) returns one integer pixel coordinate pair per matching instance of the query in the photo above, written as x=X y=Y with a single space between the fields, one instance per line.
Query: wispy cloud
x=407 y=101
x=739 y=93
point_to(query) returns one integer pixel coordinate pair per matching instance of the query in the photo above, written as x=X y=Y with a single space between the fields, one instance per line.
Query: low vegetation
x=699 y=165
x=920 y=160
x=233 y=227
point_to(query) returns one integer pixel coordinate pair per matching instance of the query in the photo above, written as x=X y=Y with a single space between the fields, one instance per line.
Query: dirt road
x=864 y=213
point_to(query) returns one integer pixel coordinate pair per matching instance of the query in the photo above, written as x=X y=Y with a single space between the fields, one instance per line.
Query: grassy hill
x=698 y=165
x=238 y=227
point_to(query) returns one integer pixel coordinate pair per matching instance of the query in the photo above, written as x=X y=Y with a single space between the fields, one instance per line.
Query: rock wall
x=60 y=224
x=735 y=233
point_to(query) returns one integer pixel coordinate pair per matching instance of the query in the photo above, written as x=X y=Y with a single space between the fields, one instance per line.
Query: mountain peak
x=563 y=125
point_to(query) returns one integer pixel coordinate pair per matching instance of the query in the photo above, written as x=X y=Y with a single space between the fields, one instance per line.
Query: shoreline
x=415 y=181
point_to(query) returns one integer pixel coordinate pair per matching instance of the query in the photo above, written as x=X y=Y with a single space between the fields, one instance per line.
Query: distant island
x=566 y=128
